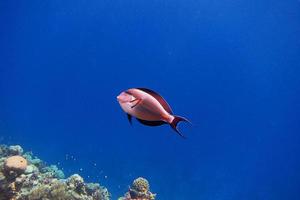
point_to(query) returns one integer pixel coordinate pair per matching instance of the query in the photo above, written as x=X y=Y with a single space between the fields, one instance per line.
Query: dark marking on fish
x=128 y=92
x=137 y=102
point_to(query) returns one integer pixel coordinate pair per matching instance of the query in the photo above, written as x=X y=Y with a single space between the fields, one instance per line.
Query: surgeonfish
x=149 y=108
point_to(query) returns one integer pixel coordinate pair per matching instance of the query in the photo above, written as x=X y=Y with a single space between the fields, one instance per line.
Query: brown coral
x=139 y=190
x=140 y=184
x=15 y=163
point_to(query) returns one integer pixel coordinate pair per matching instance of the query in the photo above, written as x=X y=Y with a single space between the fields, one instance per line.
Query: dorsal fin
x=151 y=123
x=159 y=98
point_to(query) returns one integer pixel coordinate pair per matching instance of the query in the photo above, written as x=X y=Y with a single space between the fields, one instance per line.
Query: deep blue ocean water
x=232 y=67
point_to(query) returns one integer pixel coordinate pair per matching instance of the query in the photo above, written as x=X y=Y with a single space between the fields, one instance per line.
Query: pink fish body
x=148 y=107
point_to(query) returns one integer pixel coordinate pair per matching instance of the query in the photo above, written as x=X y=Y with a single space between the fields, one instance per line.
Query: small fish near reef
x=149 y=108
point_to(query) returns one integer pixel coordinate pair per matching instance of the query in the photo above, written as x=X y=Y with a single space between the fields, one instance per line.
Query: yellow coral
x=140 y=184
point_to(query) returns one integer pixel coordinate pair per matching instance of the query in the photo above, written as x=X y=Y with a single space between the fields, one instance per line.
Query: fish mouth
x=119 y=98
x=124 y=97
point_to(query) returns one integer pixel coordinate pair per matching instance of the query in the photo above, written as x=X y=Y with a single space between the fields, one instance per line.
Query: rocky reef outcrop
x=139 y=190
x=25 y=177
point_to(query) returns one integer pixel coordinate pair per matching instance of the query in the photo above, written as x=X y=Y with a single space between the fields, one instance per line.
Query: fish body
x=148 y=107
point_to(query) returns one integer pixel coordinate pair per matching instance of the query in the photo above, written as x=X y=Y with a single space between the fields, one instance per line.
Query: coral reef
x=25 y=177
x=139 y=190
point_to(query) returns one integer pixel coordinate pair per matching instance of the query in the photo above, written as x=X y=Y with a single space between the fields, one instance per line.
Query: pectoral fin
x=129 y=119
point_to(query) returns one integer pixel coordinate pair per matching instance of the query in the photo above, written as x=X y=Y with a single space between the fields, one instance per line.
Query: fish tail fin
x=175 y=122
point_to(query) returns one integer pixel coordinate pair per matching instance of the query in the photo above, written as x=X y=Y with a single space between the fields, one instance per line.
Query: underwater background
x=231 y=67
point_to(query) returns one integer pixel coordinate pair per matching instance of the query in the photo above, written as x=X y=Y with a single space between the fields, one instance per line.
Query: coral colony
x=139 y=190
x=25 y=177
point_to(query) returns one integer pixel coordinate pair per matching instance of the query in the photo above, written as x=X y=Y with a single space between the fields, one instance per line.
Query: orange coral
x=15 y=163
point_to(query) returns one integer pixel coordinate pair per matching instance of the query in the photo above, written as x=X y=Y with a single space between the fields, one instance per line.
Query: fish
x=149 y=108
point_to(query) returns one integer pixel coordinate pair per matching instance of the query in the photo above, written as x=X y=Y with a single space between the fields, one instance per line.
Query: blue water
x=232 y=67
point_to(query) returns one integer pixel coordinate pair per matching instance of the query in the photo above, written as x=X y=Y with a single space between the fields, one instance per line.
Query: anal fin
x=151 y=123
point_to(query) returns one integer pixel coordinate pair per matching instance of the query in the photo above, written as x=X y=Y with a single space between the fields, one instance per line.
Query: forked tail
x=175 y=122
